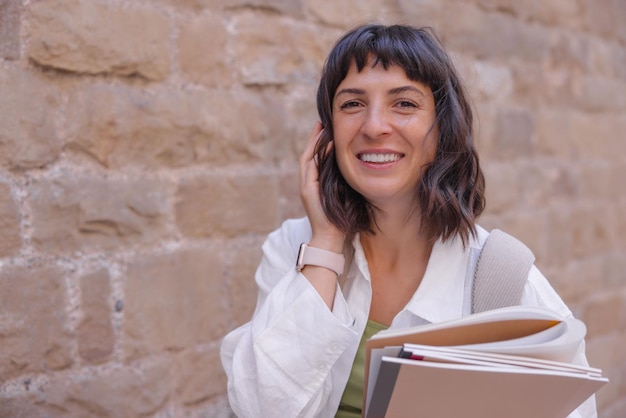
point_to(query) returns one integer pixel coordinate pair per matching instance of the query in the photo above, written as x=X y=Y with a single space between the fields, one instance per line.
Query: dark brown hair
x=451 y=191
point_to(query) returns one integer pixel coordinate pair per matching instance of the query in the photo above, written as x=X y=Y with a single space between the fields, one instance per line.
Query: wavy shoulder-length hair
x=450 y=195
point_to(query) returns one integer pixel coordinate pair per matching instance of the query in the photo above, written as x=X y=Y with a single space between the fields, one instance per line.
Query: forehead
x=374 y=75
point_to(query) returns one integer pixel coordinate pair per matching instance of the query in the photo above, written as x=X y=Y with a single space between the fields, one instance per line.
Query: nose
x=376 y=123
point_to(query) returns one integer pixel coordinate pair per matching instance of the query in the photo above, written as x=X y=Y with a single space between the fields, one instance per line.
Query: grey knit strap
x=501 y=272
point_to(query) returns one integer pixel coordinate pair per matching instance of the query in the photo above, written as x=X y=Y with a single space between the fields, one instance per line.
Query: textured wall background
x=147 y=148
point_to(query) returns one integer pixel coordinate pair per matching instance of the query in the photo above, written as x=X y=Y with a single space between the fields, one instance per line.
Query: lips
x=379 y=158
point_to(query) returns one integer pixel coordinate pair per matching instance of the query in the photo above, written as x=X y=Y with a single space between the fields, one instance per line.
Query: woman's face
x=384 y=132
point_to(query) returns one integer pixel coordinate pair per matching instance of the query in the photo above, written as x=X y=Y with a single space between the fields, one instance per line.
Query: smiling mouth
x=379 y=158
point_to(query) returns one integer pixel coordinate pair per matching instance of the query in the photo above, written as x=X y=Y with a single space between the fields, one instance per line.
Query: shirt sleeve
x=538 y=291
x=279 y=363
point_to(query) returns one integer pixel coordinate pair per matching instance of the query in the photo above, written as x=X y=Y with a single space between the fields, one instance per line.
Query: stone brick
x=264 y=58
x=290 y=205
x=577 y=280
x=604 y=314
x=507 y=37
x=97 y=38
x=10 y=15
x=346 y=13
x=555 y=12
x=590 y=232
x=514 y=132
x=503 y=186
x=559 y=236
x=120 y=126
x=615 y=264
x=618 y=56
x=202 y=54
x=294 y=124
x=27 y=405
x=87 y=213
x=10 y=238
x=291 y=7
x=494 y=82
x=243 y=289
x=95 y=331
x=564 y=13
x=598 y=94
x=129 y=391
x=431 y=13
x=529 y=226
x=554 y=133
x=173 y=301
x=603 y=20
x=33 y=333
x=547 y=182
x=595 y=181
x=196 y=384
x=227 y=205
x=28 y=136
x=605 y=353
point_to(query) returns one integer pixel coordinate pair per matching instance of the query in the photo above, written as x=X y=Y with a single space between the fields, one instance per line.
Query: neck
x=397 y=240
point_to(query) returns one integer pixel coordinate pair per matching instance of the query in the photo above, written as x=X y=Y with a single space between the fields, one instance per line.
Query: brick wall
x=147 y=148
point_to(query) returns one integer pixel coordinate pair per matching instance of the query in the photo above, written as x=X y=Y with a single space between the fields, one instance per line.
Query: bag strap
x=501 y=272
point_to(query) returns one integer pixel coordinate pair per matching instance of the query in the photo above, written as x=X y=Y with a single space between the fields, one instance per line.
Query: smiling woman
x=392 y=188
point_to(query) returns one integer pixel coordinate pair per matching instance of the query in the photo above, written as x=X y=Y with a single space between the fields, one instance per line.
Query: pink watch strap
x=318 y=257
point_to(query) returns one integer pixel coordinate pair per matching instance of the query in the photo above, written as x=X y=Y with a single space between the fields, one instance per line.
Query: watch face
x=299 y=265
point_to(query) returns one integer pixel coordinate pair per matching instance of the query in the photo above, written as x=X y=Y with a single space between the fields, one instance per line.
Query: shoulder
x=477 y=241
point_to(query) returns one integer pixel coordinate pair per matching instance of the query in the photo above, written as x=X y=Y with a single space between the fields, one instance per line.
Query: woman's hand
x=325 y=234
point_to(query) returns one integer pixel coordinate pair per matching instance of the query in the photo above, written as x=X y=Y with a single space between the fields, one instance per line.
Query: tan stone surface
x=513 y=136
x=172 y=128
x=293 y=7
x=173 y=301
x=123 y=391
x=203 y=52
x=246 y=255
x=95 y=333
x=10 y=14
x=27 y=405
x=28 y=136
x=196 y=384
x=33 y=322
x=98 y=38
x=10 y=234
x=263 y=57
x=227 y=205
x=607 y=314
x=93 y=213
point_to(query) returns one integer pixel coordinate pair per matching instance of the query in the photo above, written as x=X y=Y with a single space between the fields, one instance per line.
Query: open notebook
x=513 y=362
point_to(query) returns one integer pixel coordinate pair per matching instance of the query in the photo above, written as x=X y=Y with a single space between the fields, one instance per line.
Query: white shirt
x=294 y=357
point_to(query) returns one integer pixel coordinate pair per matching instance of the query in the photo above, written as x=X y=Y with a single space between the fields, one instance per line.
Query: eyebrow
x=395 y=90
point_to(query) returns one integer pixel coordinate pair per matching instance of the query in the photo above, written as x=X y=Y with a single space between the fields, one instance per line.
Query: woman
x=392 y=188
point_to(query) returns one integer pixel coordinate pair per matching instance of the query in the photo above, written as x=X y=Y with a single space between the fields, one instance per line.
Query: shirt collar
x=441 y=294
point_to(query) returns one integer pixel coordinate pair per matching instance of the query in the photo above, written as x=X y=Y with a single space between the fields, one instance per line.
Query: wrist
x=328 y=242
x=309 y=255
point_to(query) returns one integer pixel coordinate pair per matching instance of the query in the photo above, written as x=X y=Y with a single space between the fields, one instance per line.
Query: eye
x=349 y=104
x=407 y=104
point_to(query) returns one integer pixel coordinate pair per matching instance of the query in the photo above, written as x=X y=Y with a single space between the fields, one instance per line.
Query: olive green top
x=352 y=399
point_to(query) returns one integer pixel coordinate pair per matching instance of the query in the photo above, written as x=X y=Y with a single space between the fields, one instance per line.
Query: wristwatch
x=318 y=257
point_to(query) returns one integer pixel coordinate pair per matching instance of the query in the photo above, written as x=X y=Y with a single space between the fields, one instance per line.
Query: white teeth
x=379 y=158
